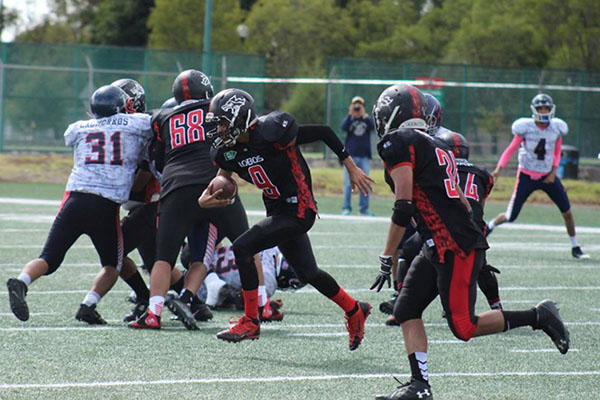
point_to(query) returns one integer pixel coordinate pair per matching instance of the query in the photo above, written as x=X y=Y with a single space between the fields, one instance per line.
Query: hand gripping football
x=228 y=186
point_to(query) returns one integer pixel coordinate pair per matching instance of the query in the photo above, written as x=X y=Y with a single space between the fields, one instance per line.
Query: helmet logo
x=205 y=80
x=385 y=101
x=234 y=104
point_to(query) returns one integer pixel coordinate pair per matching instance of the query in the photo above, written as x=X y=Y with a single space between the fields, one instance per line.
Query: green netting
x=45 y=87
x=484 y=116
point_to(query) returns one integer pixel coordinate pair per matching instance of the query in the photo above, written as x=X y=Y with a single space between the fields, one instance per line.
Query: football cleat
x=413 y=390
x=578 y=253
x=391 y=321
x=17 y=290
x=147 y=320
x=183 y=312
x=200 y=311
x=271 y=311
x=89 y=314
x=387 y=307
x=355 y=324
x=550 y=322
x=136 y=312
x=243 y=329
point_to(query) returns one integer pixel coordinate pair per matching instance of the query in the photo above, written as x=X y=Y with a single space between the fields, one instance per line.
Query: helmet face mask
x=232 y=112
x=399 y=106
x=136 y=94
x=539 y=101
x=433 y=115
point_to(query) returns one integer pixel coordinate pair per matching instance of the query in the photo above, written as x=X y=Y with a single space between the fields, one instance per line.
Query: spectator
x=358 y=126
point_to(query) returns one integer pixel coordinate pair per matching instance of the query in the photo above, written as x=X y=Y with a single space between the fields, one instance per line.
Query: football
x=227 y=184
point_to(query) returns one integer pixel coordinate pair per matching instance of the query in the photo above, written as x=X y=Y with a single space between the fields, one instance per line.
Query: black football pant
x=139 y=232
x=289 y=233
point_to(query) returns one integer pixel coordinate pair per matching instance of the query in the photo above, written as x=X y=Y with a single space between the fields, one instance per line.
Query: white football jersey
x=537 y=150
x=106 y=154
x=224 y=265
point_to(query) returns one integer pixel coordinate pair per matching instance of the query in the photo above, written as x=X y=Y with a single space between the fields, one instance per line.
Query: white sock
x=573 y=240
x=262 y=295
x=91 y=298
x=213 y=285
x=491 y=225
x=25 y=278
x=156 y=304
x=422 y=360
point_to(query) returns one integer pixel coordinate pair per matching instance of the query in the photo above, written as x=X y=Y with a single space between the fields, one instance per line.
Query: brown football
x=227 y=184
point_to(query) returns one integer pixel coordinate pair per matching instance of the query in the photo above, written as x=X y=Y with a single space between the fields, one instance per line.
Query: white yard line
x=540 y=351
x=268 y=379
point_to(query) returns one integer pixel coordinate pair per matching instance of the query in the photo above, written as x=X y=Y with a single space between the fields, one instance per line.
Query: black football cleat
x=550 y=322
x=200 y=311
x=136 y=312
x=387 y=307
x=90 y=315
x=17 y=290
x=183 y=312
x=413 y=390
x=355 y=324
x=576 y=252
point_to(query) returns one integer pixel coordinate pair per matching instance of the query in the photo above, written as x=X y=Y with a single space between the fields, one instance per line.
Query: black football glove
x=385 y=272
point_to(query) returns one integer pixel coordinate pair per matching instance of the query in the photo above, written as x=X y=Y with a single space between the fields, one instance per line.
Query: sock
x=515 y=319
x=91 y=298
x=495 y=304
x=418 y=366
x=345 y=301
x=25 y=278
x=186 y=296
x=178 y=286
x=156 y=305
x=251 y=304
x=136 y=282
x=262 y=295
x=573 y=240
x=491 y=225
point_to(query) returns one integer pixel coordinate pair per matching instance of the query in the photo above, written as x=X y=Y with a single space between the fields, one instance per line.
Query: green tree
x=121 y=23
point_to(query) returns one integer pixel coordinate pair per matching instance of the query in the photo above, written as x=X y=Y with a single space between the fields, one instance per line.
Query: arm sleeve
x=312 y=133
x=510 y=150
x=557 y=149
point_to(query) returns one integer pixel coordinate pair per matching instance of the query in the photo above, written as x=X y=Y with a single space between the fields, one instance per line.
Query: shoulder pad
x=520 y=125
x=278 y=127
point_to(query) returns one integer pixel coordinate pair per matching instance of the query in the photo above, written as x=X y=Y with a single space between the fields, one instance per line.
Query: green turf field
x=53 y=356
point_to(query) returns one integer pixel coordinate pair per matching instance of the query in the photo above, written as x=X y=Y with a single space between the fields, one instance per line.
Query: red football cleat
x=356 y=324
x=148 y=320
x=243 y=329
x=271 y=312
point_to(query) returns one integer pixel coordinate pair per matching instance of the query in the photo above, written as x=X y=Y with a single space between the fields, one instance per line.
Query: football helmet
x=169 y=103
x=135 y=91
x=457 y=143
x=286 y=277
x=542 y=100
x=108 y=100
x=234 y=107
x=192 y=85
x=433 y=114
x=400 y=106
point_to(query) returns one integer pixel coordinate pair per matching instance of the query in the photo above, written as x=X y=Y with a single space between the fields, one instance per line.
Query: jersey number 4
x=447 y=159
x=186 y=128
x=540 y=149
x=98 y=142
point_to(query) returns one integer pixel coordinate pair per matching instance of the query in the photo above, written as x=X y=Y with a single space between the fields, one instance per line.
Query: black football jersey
x=183 y=133
x=443 y=220
x=476 y=183
x=281 y=172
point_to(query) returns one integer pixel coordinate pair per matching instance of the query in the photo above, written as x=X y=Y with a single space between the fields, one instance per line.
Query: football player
x=539 y=140
x=181 y=134
x=264 y=151
x=107 y=151
x=422 y=176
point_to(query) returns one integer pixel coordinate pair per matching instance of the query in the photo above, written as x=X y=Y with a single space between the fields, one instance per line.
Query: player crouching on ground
x=107 y=151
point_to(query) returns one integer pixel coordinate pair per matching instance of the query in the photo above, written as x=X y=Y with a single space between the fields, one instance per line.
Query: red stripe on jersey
x=186 y=89
x=458 y=296
x=305 y=197
x=64 y=199
x=156 y=129
x=416 y=102
x=441 y=235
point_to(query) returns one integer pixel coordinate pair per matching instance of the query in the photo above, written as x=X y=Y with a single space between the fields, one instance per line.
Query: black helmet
x=192 y=85
x=169 y=103
x=433 y=115
x=400 y=106
x=108 y=100
x=234 y=106
x=286 y=277
x=135 y=91
x=457 y=143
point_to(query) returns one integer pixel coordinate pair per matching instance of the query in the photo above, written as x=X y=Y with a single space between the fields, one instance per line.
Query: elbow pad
x=403 y=211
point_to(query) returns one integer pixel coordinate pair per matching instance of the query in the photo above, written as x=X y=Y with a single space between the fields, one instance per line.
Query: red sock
x=251 y=303
x=344 y=300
